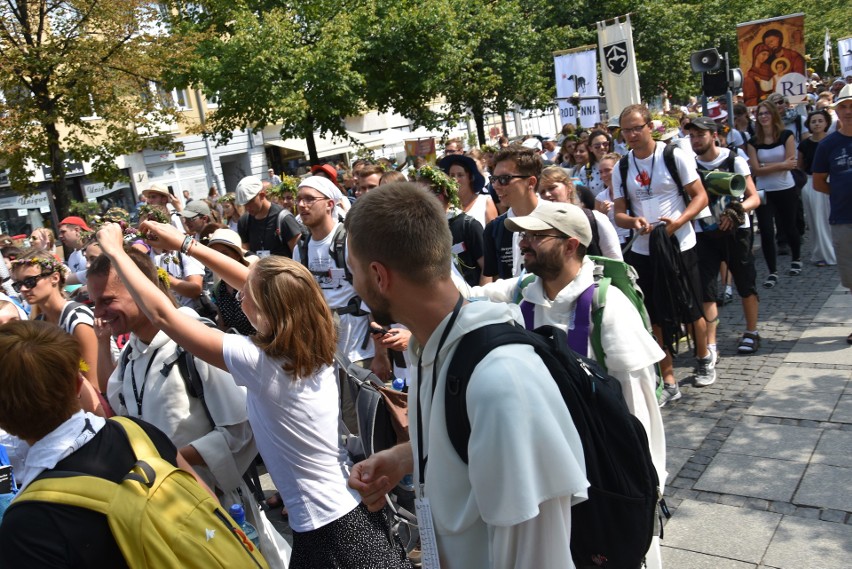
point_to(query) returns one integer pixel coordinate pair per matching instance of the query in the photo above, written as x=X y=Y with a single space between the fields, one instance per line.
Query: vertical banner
x=576 y=74
x=771 y=57
x=844 y=48
x=618 y=65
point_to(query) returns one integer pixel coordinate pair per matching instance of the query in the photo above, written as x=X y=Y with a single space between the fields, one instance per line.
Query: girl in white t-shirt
x=287 y=369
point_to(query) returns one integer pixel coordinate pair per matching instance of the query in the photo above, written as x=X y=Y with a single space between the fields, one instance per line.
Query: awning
x=327 y=145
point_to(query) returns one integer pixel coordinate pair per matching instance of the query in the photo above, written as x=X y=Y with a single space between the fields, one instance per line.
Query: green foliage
x=76 y=77
x=84 y=209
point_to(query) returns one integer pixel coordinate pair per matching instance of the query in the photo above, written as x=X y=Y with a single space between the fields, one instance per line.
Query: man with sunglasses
x=655 y=199
x=515 y=178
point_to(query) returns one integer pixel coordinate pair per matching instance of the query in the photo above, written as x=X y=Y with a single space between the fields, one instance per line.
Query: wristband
x=187 y=243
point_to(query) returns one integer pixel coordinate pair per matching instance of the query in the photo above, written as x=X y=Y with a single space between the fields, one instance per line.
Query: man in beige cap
x=265 y=228
x=553 y=242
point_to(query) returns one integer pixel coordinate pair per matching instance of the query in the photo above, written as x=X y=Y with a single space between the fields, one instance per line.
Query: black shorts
x=643 y=266
x=733 y=248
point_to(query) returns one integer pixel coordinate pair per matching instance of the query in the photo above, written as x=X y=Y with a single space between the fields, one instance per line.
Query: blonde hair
x=41 y=365
x=557 y=174
x=298 y=325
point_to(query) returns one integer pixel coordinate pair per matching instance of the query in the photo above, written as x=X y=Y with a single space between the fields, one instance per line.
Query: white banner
x=576 y=73
x=844 y=48
x=618 y=66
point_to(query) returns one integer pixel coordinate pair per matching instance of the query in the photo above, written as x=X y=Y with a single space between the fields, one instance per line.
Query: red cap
x=74 y=220
x=328 y=169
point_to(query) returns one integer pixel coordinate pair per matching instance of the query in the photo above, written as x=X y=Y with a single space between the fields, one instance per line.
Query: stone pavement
x=760 y=463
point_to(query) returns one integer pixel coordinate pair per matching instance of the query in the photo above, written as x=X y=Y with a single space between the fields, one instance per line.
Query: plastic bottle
x=399 y=383
x=239 y=514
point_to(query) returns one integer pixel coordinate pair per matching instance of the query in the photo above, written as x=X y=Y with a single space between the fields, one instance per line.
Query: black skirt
x=359 y=540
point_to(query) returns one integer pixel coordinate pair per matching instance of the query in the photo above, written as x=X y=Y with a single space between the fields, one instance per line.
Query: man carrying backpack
x=553 y=242
x=656 y=197
x=727 y=236
x=509 y=505
x=80 y=451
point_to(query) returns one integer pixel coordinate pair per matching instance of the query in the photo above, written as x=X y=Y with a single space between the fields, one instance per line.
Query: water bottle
x=398 y=384
x=239 y=514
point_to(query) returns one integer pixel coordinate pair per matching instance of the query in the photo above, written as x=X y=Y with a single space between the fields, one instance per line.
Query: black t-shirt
x=498 y=249
x=808 y=149
x=467 y=245
x=262 y=234
x=55 y=536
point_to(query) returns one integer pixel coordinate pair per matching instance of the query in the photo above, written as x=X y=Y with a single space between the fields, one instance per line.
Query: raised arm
x=189 y=333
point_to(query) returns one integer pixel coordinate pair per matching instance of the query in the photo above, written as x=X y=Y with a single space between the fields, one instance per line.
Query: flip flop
x=795 y=269
x=770 y=281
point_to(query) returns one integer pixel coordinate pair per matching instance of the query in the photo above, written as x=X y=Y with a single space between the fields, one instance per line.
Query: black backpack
x=614 y=527
x=337 y=250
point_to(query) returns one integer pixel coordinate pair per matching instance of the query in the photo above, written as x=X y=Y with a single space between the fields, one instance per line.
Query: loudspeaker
x=736 y=79
x=715 y=84
x=705 y=60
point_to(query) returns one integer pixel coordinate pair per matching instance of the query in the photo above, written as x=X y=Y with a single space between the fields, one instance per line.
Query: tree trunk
x=61 y=199
x=309 y=138
x=479 y=119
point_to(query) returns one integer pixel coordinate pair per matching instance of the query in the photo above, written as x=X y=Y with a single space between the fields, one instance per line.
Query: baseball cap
x=195 y=208
x=532 y=142
x=327 y=169
x=74 y=220
x=702 y=123
x=563 y=217
x=248 y=187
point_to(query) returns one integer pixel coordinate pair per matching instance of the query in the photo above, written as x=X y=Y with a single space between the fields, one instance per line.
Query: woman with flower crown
x=40 y=279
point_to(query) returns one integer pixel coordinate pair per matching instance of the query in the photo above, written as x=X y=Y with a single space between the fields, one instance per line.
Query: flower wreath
x=47 y=264
x=440 y=183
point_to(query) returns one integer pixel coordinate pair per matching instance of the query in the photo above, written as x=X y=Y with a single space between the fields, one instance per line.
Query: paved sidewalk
x=760 y=463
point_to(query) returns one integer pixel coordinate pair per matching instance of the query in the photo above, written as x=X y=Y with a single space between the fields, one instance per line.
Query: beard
x=379 y=307
x=544 y=264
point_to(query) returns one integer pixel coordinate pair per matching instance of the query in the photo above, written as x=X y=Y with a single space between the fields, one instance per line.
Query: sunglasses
x=504 y=179
x=29 y=282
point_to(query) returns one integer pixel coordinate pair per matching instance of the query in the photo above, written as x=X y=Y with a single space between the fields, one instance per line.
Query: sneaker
x=729 y=297
x=705 y=372
x=670 y=393
x=714 y=355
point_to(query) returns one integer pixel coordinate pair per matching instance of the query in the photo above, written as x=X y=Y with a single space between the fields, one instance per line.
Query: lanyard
x=650 y=174
x=421 y=457
x=138 y=395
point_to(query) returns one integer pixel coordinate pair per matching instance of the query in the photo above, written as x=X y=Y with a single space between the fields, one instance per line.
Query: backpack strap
x=598 y=305
x=337 y=250
x=671 y=166
x=528 y=312
x=472 y=348
x=623 y=167
x=498 y=229
x=303 y=249
x=522 y=283
x=139 y=441
x=594 y=247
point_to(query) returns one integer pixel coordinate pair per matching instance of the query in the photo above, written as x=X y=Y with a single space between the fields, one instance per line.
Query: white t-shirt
x=77 y=261
x=338 y=292
x=658 y=195
x=525 y=456
x=740 y=167
x=623 y=234
x=180 y=266
x=295 y=425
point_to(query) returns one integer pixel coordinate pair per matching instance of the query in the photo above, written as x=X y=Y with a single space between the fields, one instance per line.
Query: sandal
x=770 y=281
x=749 y=343
x=795 y=269
x=821 y=264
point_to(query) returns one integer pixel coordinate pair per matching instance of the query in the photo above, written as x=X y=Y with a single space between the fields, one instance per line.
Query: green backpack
x=160 y=516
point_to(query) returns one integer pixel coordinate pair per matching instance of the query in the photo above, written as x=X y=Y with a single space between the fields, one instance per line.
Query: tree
x=63 y=63
x=306 y=66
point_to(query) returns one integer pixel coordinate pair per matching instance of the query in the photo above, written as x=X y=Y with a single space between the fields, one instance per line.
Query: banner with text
x=844 y=48
x=618 y=65
x=771 y=57
x=576 y=75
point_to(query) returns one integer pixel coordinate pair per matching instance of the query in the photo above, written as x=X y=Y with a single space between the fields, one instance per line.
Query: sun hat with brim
x=563 y=217
x=844 y=95
x=229 y=238
x=477 y=180
x=156 y=189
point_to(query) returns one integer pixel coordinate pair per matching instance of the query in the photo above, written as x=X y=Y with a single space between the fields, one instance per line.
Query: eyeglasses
x=504 y=179
x=600 y=145
x=635 y=129
x=309 y=200
x=29 y=282
x=538 y=237
x=764 y=114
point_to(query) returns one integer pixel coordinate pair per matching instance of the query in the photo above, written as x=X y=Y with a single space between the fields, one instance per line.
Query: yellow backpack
x=159 y=515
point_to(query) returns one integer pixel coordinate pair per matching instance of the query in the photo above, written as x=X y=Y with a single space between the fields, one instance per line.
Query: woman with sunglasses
x=39 y=279
x=771 y=156
x=288 y=371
